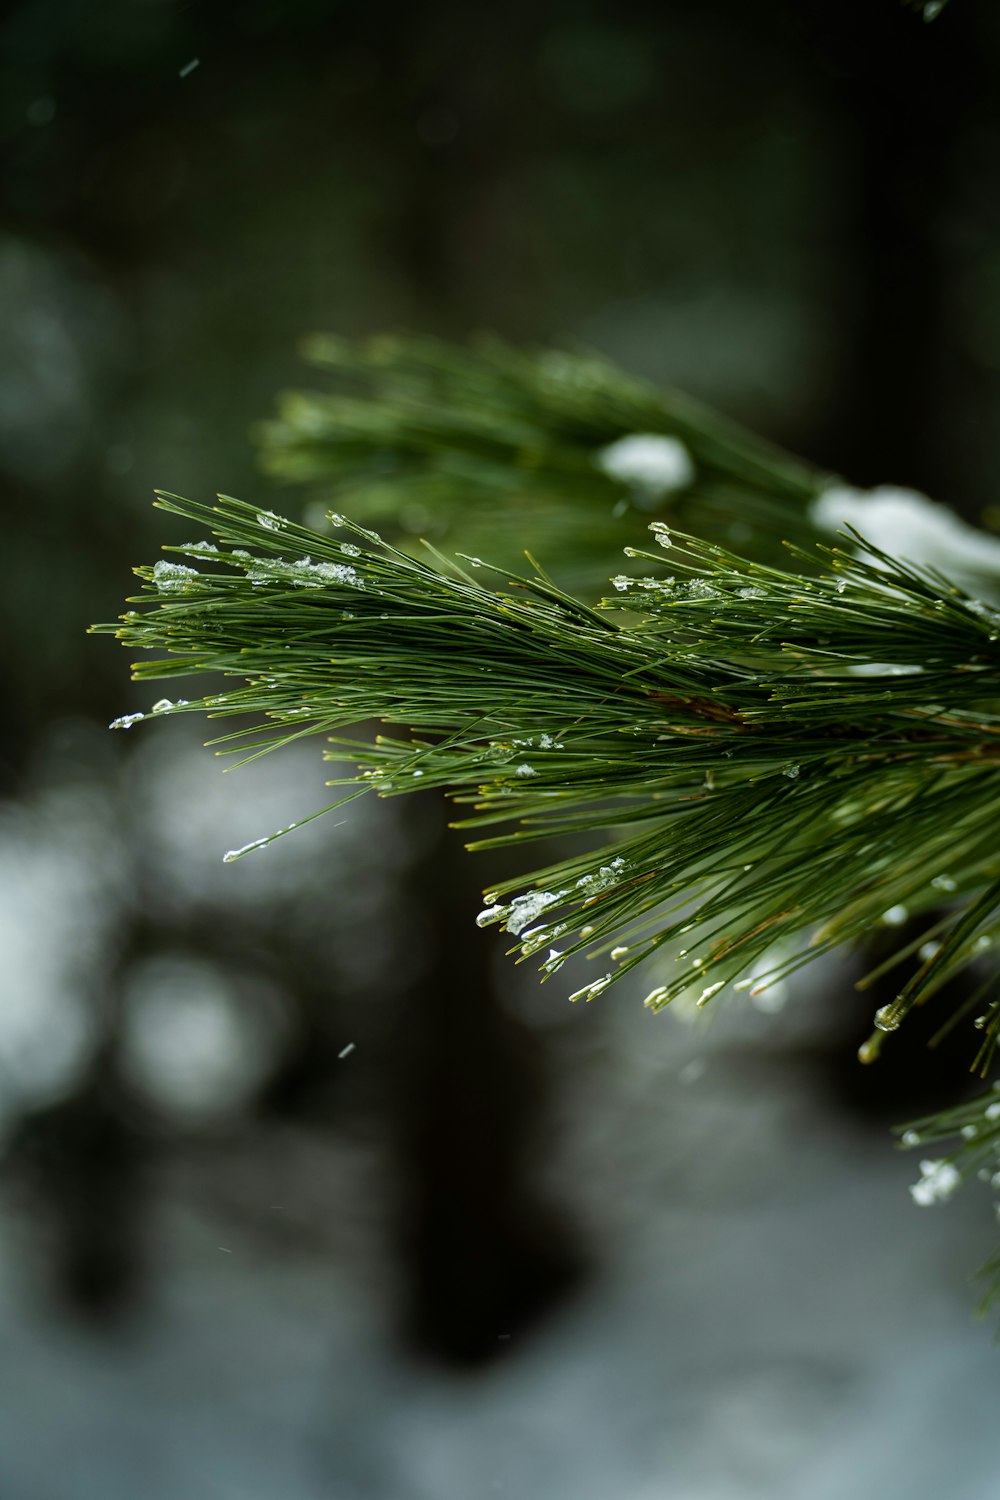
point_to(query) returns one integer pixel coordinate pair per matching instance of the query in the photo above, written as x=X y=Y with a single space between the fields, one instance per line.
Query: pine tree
x=765 y=740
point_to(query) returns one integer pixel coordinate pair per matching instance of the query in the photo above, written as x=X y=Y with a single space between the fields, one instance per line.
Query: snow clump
x=653 y=466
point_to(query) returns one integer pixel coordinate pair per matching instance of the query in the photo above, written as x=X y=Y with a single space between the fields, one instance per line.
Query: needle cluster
x=765 y=763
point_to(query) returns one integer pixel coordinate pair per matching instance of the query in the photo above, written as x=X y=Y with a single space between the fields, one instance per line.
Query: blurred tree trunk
x=483 y=1257
x=904 y=93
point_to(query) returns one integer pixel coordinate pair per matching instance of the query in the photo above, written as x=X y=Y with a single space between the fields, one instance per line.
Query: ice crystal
x=303 y=573
x=524 y=909
x=712 y=989
x=171 y=577
x=232 y=854
x=521 y=912
x=314 y=575
x=602 y=879
x=591 y=991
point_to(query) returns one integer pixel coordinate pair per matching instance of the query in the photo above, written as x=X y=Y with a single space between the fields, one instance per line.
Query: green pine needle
x=487 y=447
x=973 y=1131
x=768 y=763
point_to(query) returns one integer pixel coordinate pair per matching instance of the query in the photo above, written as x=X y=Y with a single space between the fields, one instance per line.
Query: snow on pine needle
x=970 y=1134
x=767 y=761
x=488 y=449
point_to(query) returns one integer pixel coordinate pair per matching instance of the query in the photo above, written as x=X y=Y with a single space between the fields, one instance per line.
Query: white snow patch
x=653 y=466
x=905 y=523
x=938 y=1180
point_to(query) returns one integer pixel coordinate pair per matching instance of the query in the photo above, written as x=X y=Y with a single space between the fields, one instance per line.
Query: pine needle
x=773 y=761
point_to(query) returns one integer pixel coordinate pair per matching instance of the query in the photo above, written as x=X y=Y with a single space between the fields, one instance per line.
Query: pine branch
x=490 y=449
x=973 y=1129
x=767 y=763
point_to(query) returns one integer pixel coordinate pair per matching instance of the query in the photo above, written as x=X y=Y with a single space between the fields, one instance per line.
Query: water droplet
x=887 y=1019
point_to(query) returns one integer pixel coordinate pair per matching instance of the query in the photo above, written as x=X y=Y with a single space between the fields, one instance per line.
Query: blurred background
x=307 y=1193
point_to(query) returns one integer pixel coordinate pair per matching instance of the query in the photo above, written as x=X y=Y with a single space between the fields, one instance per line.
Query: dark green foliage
x=778 y=761
x=750 y=760
x=491 y=449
